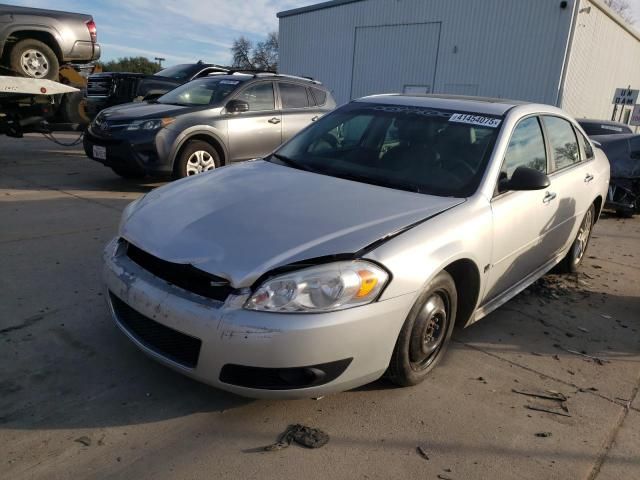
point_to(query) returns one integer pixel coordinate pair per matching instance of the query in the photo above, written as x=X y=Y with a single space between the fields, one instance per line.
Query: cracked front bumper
x=225 y=334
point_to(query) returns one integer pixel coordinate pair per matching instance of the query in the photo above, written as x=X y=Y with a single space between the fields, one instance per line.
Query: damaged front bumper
x=254 y=354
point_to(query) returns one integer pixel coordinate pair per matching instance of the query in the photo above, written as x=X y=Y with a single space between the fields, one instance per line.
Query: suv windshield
x=205 y=91
x=181 y=72
x=424 y=150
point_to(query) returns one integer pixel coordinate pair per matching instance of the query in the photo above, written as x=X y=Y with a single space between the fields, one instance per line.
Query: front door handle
x=274 y=120
x=588 y=178
x=549 y=197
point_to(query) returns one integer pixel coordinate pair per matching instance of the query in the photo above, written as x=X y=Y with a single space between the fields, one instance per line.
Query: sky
x=178 y=30
x=183 y=30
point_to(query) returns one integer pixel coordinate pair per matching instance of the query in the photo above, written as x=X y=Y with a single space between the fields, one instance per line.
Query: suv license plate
x=100 y=152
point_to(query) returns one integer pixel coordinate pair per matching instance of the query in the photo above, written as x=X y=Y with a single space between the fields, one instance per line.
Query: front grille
x=163 y=340
x=184 y=276
x=98 y=86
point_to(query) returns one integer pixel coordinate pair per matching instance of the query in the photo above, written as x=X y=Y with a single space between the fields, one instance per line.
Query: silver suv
x=206 y=123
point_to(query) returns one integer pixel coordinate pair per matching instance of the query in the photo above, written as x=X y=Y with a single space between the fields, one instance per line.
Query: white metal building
x=573 y=53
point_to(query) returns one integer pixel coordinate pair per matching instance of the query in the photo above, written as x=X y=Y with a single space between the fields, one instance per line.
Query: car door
x=521 y=219
x=257 y=132
x=299 y=108
x=571 y=179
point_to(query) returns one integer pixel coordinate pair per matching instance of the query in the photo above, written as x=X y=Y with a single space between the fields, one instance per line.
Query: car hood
x=144 y=110
x=240 y=222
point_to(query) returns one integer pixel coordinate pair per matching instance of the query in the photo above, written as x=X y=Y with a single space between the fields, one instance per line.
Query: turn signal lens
x=368 y=282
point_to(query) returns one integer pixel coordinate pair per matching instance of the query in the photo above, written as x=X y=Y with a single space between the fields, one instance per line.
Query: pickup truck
x=34 y=42
x=108 y=89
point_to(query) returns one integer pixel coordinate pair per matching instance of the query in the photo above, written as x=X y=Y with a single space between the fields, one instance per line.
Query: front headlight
x=325 y=288
x=153 y=124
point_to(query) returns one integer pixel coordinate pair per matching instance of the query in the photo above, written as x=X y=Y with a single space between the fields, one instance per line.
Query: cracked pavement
x=77 y=400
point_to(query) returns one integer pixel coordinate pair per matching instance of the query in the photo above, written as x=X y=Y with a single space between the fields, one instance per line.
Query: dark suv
x=206 y=123
x=108 y=89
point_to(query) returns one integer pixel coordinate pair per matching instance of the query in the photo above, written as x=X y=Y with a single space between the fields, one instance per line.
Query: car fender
x=198 y=130
x=416 y=256
x=60 y=48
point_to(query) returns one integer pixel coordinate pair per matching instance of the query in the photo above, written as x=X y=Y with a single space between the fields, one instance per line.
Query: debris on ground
x=305 y=436
x=543 y=434
x=86 y=441
x=422 y=452
x=598 y=360
x=547 y=394
x=538 y=408
x=444 y=477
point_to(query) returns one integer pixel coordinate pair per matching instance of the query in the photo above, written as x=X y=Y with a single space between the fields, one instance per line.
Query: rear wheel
x=128 y=172
x=426 y=332
x=35 y=59
x=196 y=157
x=578 y=250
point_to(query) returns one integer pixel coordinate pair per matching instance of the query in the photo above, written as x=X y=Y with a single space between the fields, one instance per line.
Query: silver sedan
x=354 y=249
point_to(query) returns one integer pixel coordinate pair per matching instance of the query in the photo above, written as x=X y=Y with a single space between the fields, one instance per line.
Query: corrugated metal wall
x=499 y=48
x=603 y=57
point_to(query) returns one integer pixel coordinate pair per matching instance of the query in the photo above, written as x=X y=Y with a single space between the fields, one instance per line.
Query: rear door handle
x=315 y=118
x=588 y=178
x=274 y=120
x=549 y=197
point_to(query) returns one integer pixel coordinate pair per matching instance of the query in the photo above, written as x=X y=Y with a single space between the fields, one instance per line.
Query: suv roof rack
x=266 y=73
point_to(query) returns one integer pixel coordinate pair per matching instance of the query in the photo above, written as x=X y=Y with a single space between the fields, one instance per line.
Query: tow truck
x=36 y=105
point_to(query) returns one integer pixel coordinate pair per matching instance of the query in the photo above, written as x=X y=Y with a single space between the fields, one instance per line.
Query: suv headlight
x=153 y=124
x=325 y=288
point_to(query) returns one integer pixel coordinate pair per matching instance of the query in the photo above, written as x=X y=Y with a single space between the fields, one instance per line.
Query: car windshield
x=423 y=150
x=206 y=91
x=181 y=72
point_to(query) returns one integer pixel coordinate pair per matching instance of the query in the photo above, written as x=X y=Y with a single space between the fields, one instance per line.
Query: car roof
x=589 y=121
x=486 y=105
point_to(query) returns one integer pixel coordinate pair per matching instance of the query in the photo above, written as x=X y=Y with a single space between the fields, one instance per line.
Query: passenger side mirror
x=237 y=106
x=523 y=179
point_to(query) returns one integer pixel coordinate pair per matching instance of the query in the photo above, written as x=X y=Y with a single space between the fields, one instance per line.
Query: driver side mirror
x=237 y=106
x=524 y=179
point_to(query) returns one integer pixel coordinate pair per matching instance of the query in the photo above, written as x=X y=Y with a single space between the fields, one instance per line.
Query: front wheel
x=578 y=250
x=426 y=332
x=196 y=157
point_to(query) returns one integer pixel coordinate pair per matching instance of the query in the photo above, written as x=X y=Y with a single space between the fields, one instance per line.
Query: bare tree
x=262 y=56
x=622 y=8
x=265 y=55
x=241 y=50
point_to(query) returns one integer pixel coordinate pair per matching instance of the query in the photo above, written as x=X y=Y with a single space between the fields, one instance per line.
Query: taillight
x=91 y=25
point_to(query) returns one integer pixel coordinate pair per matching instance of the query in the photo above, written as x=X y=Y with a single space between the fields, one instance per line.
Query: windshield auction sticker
x=475 y=120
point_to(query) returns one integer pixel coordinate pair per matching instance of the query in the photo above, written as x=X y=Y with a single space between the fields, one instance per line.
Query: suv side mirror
x=524 y=178
x=237 y=106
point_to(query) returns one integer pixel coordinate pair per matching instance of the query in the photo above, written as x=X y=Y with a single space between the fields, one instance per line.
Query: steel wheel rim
x=580 y=246
x=34 y=63
x=429 y=331
x=200 y=161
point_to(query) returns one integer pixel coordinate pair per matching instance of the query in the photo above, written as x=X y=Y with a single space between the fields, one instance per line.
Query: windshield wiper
x=387 y=182
x=291 y=162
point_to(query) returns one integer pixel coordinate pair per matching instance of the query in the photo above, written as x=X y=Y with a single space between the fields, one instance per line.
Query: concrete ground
x=77 y=400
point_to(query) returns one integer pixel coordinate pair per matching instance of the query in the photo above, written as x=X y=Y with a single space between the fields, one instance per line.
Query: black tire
x=413 y=356
x=184 y=166
x=44 y=54
x=75 y=109
x=578 y=251
x=128 y=172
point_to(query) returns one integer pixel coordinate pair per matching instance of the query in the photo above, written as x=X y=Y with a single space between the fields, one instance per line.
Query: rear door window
x=293 y=96
x=526 y=149
x=320 y=96
x=564 y=145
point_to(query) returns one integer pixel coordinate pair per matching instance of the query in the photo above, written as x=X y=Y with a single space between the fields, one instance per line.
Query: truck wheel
x=75 y=108
x=426 y=332
x=128 y=172
x=32 y=58
x=196 y=157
